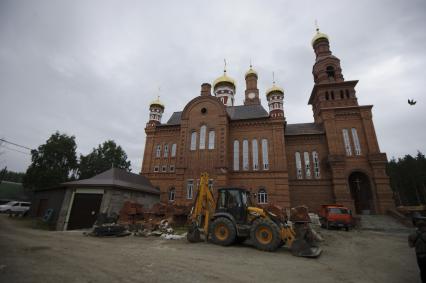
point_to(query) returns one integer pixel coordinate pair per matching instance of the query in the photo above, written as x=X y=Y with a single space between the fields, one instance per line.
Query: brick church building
x=334 y=159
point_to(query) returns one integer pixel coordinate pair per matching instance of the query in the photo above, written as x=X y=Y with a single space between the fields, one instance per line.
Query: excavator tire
x=223 y=231
x=265 y=235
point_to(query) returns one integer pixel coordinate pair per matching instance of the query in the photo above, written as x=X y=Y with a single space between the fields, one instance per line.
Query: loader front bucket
x=301 y=247
x=305 y=242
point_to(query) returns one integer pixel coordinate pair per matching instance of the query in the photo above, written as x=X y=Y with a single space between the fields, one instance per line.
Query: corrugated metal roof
x=303 y=129
x=117 y=177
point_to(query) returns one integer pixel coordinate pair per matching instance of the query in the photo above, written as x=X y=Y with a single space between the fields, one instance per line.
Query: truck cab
x=335 y=215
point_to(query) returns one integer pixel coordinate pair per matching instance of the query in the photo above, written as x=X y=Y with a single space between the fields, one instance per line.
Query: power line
x=16 y=150
x=15 y=144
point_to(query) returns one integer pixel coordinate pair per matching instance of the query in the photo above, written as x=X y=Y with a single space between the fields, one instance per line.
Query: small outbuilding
x=77 y=204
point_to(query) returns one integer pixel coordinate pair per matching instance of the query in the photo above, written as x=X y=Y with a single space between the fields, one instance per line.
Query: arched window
x=330 y=71
x=327 y=97
x=265 y=159
x=315 y=160
x=166 y=150
x=356 y=142
x=307 y=165
x=189 y=189
x=347 y=142
x=172 y=193
x=236 y=155
x=347 y=93
x=173 y=150
x=341 y=94
x=203 y=130
x=332 y=95
x=262 y=196
x=158 y=151
x=245 y=155
x=298 y=166
x=255 y=155
x=211 y=139
x=193 y=140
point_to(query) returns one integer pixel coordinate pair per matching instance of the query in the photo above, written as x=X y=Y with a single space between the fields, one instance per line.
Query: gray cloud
x=90 y=68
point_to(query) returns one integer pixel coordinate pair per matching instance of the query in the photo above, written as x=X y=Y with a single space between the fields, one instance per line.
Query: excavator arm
x=202 y=211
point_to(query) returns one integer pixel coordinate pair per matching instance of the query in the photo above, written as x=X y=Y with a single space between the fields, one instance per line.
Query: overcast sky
x=90 y=68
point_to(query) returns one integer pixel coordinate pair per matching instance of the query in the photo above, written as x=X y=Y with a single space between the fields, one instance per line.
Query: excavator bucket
x=304 y=244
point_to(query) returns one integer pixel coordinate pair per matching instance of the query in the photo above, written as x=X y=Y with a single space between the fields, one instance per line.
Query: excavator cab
x=234 y=202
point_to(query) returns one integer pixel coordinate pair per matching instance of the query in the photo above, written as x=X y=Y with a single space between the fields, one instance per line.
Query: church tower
x=275 y=97
x=224 y=88
x=252 y=92
x=330 y=89
x=156 y=110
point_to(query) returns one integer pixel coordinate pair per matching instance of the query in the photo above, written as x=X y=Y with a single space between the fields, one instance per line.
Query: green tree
x=106 y=156
x=52 y=163
x=408 y=178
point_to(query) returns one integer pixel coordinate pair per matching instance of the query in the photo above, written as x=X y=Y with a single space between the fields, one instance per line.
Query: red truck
x=335 y=215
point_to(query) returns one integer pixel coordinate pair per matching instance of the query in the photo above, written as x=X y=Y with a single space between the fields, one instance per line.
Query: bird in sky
x=412 y=102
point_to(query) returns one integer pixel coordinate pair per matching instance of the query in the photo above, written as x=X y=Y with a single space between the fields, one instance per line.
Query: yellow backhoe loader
x=232 y=218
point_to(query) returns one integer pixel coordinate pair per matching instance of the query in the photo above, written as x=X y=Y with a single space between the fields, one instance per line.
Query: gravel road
x=30 y=255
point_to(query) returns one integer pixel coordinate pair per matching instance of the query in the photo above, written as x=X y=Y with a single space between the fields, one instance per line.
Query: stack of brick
x=131 y=213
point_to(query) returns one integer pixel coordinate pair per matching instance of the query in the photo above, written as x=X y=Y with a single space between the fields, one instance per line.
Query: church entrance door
x=361 y=193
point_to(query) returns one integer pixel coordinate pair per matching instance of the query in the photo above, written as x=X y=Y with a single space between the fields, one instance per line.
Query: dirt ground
x=30 y=255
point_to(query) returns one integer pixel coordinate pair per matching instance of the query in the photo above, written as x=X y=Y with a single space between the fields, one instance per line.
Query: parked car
x=335 y=215
x=15 y=207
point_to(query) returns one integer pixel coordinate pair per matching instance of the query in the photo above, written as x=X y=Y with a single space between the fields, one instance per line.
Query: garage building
x=77 y=204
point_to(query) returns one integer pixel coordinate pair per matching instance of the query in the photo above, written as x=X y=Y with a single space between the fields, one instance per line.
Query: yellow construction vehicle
x=231 y=218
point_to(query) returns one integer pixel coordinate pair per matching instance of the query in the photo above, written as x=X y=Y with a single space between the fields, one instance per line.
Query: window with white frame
x=166 y=150
x=262 y=196
x=236 y=155
x=156 y=168
x=164 y=168
x=307 y=165
x=158 y=151
x=172 y=193
x=255 y=155
x=265 y=159
x=189 y=189
x=171 y=168
x=193 y=140
x=356 y=142
x=210 y=184
x=173 y=150
x=347 y=142
x=245 y=155
x=298 y=166
x=315 y=160
x=203 y=130
x=211 y=139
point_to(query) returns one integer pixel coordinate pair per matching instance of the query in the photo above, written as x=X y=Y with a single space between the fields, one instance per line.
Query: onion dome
x=273 y=89
x=251 y=71
x=318 y=35
x=223 y=79
x=157 y=102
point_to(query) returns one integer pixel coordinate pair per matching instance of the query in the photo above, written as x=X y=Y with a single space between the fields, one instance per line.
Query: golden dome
x=157 y=102
x=223 y=79
x=318 y=35
x=274 y=88
x=251 y=71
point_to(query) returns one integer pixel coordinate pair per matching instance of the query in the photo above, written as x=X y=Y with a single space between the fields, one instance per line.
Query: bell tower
x=330 y=89
x=252 y=92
